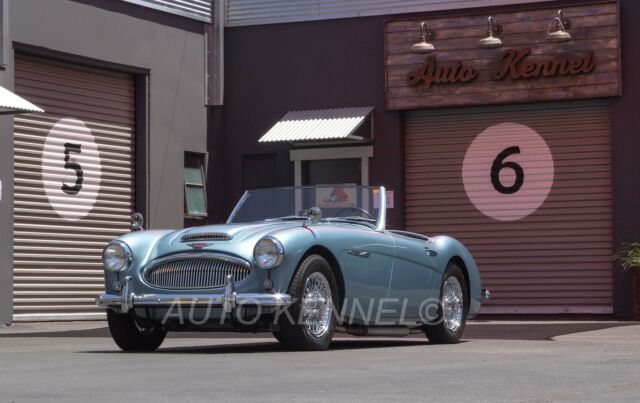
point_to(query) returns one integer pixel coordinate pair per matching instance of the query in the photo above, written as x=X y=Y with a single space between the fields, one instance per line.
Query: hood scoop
x=206 y=236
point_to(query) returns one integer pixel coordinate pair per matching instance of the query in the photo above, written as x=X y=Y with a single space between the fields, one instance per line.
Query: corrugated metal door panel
x=74 y=184
x=556 y=259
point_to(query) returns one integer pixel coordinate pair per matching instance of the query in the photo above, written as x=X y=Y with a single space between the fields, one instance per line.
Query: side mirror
x=137 y=222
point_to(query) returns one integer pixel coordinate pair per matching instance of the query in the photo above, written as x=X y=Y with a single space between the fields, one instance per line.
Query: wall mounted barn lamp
x=423 y=46
x=560 y=34
x=493 y=30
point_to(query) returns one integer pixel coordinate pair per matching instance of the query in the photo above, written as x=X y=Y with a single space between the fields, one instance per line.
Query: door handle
x=358 y=253
x=430 y=252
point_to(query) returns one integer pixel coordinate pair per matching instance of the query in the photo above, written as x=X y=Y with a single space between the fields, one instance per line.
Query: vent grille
x=211 y=236
x=196 y=272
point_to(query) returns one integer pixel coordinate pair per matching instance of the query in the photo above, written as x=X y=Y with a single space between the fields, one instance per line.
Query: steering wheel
x=358 y=209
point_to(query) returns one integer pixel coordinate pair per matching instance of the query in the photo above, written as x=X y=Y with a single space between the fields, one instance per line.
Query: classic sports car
x=300 y=262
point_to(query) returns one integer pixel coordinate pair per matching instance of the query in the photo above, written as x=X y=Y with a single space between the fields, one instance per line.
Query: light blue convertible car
x=300 y=262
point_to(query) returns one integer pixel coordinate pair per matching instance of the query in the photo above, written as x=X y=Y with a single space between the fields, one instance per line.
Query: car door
x=415 y=281
x=366 y=258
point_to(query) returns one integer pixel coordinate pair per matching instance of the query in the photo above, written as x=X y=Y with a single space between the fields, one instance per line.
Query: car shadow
x=270 y=347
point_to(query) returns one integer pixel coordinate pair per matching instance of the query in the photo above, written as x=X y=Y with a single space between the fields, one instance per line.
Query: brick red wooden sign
x=526 y=68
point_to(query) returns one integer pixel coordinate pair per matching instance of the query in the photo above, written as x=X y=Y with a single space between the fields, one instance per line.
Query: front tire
x=452 y=310
x=314 y=292
x=130 y=336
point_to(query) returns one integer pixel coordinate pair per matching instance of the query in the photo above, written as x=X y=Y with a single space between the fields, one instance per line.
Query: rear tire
x=314 y=292
x=452 y=310
x=130 y=336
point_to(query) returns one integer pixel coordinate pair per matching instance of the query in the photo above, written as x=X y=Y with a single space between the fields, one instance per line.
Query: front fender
x=296 y=242
x=143 y=245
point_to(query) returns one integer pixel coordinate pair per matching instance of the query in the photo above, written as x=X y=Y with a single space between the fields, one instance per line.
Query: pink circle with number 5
x=71 y=169
x=508 y=171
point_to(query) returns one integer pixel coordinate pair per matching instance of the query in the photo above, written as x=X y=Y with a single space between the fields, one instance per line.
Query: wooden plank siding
x=594 y=28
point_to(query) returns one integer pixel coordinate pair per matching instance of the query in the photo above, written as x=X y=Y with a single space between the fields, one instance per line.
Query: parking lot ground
x=498 y=361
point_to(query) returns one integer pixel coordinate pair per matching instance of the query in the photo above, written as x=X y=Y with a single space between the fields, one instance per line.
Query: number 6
x=498 y=165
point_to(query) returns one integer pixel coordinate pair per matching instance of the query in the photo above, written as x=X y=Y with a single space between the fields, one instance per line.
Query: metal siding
x=257 y=12
x=556 y=260
x=57 y=261
x=196 y=9
x=317 y=124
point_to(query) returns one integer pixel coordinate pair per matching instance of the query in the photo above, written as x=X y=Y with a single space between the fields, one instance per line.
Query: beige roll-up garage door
x=74 y=184
x=528 y=190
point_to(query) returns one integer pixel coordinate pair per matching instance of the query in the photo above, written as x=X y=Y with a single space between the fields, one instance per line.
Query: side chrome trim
x=430 y=252
x=358 y=253
x=382 y=211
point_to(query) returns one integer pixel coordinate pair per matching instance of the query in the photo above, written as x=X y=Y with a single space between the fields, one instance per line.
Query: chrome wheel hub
x=452 y=304
x=317 y=306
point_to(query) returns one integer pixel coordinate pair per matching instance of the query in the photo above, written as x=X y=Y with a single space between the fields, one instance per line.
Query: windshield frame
x=382 y=203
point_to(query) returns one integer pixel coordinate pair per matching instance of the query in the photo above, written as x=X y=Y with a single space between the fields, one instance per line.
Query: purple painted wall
x=272 y=69
x=626 y=152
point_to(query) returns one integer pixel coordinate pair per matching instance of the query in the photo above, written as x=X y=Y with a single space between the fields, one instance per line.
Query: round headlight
x=116 y=256
x=268 y=253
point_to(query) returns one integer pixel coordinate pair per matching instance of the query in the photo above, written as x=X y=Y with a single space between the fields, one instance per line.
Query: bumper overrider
x=229 y=300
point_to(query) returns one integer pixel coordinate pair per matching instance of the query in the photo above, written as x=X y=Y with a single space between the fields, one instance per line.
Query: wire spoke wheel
x=312 y=322
x=452 y=304
x=317 y=305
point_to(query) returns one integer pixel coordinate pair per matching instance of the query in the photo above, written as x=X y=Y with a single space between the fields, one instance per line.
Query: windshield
x=336 y=203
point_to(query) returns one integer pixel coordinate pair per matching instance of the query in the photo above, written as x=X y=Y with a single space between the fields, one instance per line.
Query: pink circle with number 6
x=71 y=169
x=508 y=171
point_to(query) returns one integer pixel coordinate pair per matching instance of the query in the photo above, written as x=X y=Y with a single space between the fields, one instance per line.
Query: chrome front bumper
x=229 y=300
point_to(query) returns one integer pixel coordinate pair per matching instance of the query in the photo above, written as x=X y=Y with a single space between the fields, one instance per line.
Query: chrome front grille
x=195 y=271
x=206 y=236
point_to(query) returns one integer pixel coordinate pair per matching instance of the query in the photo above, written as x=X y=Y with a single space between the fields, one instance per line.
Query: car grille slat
x=195 y=272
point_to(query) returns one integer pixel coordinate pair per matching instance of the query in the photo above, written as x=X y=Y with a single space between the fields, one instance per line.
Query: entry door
x=332 y=171
x=74 y=185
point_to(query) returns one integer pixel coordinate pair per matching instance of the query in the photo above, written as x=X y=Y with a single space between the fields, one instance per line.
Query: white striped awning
x=12 y=104
x=318 y=125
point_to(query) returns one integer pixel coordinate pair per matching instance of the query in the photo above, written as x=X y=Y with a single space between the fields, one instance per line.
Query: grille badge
x=199 y=245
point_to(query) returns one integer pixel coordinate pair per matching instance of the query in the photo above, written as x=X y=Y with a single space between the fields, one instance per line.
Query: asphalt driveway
x=498 y=361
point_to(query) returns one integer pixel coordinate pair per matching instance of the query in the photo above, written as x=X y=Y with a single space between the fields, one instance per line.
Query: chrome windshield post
x=237 y=207
x=382 y=213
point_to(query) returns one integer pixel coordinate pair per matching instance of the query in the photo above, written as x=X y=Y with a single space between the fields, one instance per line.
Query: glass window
x=195 y=194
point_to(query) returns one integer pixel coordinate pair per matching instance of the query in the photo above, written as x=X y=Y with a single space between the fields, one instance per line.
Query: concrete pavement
x=78 y=362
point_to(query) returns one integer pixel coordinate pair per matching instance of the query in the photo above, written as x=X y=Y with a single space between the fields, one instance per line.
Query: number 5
x=75 y=189
x=498 y=165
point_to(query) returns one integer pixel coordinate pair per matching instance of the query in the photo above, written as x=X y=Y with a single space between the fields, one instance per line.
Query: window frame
x=201 y=159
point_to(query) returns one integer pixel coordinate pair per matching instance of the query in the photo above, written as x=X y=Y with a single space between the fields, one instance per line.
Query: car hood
x=233 y=232
x=235 y=239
